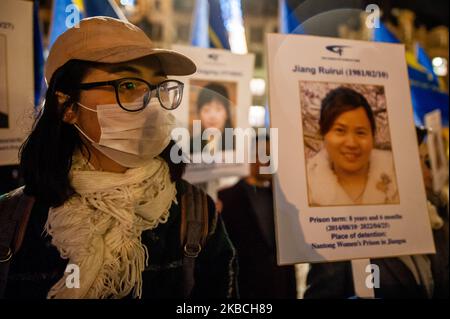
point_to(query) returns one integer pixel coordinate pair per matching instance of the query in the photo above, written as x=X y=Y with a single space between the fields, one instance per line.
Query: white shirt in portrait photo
x=324 y=188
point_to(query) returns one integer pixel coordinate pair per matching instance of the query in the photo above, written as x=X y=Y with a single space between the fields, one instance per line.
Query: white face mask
x=132 y=138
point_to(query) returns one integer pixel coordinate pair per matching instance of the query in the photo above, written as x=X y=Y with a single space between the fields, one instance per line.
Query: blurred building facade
x=170 y=21
x=435 y=41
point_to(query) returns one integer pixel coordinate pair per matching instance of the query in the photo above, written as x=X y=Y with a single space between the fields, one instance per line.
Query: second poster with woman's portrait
x=216 y=102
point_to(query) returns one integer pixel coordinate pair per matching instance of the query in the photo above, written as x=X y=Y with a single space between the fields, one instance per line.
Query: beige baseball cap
x=109 y=40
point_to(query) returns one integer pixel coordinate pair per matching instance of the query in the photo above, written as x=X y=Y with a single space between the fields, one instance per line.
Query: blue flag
x=383 y=34
x=38 y=56
x=425 y=93
x=424 y=60
x=426 y=100
x=209 y=28
x=289 y=23
x=64 y=14
x=199 y=34
x=218 y=35
x=103 y=8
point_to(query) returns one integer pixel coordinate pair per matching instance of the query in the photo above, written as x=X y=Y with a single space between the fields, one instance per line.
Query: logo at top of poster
x=338 y=49
x=213 y=56
x=6 y=25
x=215 y=59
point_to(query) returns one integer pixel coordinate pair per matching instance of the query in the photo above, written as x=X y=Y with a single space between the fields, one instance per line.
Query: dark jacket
x=335 y=280
x=38 y=266
x=253 y=235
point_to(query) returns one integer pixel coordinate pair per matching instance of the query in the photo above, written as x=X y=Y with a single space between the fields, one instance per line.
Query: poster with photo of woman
x=349 y=183
x=216 y=101
x=16 y=77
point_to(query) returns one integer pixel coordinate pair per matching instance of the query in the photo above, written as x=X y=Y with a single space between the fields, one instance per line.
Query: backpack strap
x=15 y=210
x=193 y=232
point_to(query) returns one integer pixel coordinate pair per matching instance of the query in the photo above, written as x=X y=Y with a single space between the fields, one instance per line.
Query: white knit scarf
x=99 y=228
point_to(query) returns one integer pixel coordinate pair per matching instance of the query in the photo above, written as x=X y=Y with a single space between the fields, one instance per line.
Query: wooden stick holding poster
x=215 y=99
x=349 y=182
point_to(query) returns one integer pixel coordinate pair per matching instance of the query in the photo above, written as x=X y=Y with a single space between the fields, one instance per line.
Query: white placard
x=353 y=190
x=435 y=143
x=16 y=76
x=219 y=72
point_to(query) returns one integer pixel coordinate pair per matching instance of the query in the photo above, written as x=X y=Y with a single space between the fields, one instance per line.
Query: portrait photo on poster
x=213 y=103
x=4 y=118
x=347 y=145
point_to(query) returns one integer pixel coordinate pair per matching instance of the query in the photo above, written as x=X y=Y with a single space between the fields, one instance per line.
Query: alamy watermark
x=73 y=277
x=373 y=279
x=373 y=17
x=210 y=146
x=73 y=18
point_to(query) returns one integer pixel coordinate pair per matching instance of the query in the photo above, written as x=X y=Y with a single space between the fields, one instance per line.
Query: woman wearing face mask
x=348 y=170
x=107 y=197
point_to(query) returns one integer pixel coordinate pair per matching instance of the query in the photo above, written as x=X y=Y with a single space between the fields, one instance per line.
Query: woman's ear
x=70 y=116
x=62 y=97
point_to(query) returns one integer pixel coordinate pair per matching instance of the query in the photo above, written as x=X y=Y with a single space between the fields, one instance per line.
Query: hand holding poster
x=349 y=183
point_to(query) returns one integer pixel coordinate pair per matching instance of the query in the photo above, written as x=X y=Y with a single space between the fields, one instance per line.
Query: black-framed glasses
x=134 y=94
